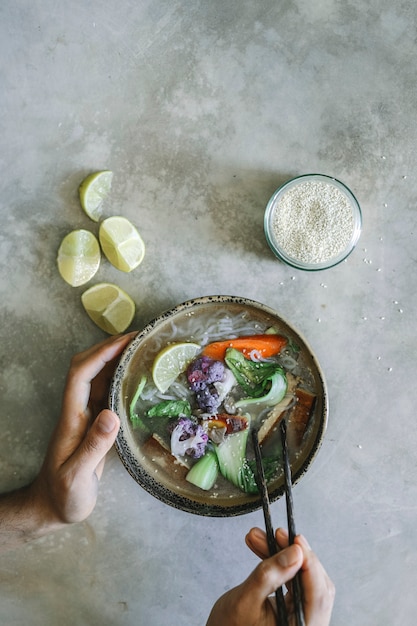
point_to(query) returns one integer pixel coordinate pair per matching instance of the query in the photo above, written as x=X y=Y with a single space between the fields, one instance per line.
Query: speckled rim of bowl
x=270 y=208
x=132 y=463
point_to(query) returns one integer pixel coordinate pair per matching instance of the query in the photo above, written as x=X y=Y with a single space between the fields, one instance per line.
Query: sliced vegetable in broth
x=188 y=445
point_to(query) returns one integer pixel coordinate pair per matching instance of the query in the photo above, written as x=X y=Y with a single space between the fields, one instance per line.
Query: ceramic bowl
x=312 y=222
x=197 y=320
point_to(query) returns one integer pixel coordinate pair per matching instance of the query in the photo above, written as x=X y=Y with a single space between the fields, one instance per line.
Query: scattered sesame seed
x=400 y=310
x=404 y=177
x=359 y=446
x=390 y=369
x=383 y=157
x=364 y=318
x=385 y=204
x=382 y=317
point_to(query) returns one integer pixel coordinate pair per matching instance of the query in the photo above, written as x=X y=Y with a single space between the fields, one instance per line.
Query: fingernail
x=106 y=422
x=288 y=557
x=282 y=532
x=258 y=533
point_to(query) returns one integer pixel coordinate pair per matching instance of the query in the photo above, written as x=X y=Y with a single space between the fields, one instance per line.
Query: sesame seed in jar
x=313 y=222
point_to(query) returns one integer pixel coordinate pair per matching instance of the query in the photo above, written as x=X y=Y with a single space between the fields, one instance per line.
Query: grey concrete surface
x=202 y=109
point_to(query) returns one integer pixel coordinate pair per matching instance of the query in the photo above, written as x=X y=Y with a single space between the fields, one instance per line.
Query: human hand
x=66 y=488
x=249 y=604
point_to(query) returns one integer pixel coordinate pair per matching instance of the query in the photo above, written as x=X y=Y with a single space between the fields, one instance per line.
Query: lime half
x=93 y=190
x=121 y=243
x=78 y=257
x=171 y=362
x=111 y=308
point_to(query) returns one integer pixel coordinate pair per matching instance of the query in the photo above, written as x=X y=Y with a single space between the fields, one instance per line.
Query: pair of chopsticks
x=282 y=617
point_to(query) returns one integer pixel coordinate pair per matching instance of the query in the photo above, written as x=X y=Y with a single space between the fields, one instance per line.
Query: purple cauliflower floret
x=208 y=399
x=188 y=438
x=203 y=372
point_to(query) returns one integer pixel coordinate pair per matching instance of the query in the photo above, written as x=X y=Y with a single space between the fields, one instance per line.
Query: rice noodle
x=288 y=362
x=256 y=355
x=217 y=325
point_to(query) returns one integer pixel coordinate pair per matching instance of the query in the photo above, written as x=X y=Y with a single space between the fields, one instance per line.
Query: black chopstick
x=296 y=583
x=282 y=618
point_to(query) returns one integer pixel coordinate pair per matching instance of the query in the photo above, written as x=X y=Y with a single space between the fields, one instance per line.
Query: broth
x=203 y=324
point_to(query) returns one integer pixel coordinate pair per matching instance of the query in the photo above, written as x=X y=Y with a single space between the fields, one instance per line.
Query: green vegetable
x=293 y=346
x=252 y=376
x=134 y=417
x=272 y=465
x=159 y=417
x=273 y=396
x=247 y=479
x=170 y=408
x=135 y=398
x=231 y=455
x=204 y=473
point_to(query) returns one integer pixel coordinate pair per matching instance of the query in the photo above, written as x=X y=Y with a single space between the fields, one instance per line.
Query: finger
x=90 y=456
x=273 y=573
x=115 y=339
x=281 y=537
x=74 y=420
x=86 y=365
x=318 y=589
x=256 y=541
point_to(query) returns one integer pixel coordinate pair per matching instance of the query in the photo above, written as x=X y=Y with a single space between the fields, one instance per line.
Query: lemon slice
x=171 y=362
x=121 y=243
x=111 y=308
x=93 y=190
x=78 y=257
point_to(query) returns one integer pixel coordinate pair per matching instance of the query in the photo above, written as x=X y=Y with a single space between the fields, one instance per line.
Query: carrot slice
x=264 y=345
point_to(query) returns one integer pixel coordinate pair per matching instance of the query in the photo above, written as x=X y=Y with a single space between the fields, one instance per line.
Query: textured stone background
x=202 y=109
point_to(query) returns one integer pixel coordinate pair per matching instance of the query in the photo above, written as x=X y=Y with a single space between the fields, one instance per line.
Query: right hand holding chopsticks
x=318 y=589
x=251 y=602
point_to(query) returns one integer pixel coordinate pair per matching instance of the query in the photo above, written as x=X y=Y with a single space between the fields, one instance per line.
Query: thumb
x=274 y=572
x=98 y=441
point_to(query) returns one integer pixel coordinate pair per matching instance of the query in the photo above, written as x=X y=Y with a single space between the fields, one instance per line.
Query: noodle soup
x=202 y=322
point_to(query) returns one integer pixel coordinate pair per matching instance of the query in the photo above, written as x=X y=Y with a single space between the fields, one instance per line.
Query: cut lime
x=78 y=257
x=111 y=308
x=93 y=190
x=121 y=243
x=171 y=362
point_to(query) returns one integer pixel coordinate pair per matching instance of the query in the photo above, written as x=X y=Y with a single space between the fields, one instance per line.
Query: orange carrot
x=265 y=346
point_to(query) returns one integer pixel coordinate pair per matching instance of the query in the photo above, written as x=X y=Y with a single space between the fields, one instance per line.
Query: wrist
x=24 y=517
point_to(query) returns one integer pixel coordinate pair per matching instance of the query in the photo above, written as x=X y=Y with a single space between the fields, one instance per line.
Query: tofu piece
x=274 y=417
x=300 y=415
x=156 y=451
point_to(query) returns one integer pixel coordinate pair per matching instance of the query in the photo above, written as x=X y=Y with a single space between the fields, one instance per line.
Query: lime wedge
x=111 y=308
x=93 y=190
x=78 y=257
x=121 y=243
x=171 y=362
